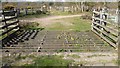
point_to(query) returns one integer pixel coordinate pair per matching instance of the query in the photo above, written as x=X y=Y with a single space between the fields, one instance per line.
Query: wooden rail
x=105 y=29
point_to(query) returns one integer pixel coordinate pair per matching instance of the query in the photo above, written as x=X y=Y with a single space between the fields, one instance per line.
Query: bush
x=9 y=7
x=29 y=7
x=38 y=11
x=28 y=25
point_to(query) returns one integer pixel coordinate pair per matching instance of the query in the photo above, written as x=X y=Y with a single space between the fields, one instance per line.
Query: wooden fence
x=35 y=10
x=106 y=29
x=8 y=25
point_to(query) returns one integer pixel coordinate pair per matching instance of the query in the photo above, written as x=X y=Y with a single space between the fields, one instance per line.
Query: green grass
x=117 y=61
x=50 y=61
x=74 y=56
x=81 y=24
x=78 y=24
x=57 y=26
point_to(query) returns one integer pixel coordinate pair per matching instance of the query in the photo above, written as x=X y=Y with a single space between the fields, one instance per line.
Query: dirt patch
x=45 y=22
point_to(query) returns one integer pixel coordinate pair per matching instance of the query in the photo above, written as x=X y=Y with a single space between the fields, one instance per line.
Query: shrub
x=28 y=25
x=29 y=7
x=38 y=11
x=9 y=7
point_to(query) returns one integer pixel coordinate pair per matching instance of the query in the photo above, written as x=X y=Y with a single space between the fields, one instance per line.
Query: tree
x=51 y=4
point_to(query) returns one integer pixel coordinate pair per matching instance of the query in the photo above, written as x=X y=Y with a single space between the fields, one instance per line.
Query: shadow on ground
x=20 y=36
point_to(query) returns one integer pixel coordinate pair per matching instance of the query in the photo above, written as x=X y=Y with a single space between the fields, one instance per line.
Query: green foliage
x=29 y=7
x=51 y=3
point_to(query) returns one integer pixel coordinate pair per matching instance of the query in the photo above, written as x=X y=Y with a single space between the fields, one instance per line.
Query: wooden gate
x=107 y=30
x=8 y=25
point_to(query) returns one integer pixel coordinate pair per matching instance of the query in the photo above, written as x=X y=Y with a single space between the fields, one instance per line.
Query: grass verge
x=49 y=61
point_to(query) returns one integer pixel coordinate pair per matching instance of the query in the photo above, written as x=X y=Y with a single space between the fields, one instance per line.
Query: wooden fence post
x=26 y=11
x=18 y=11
